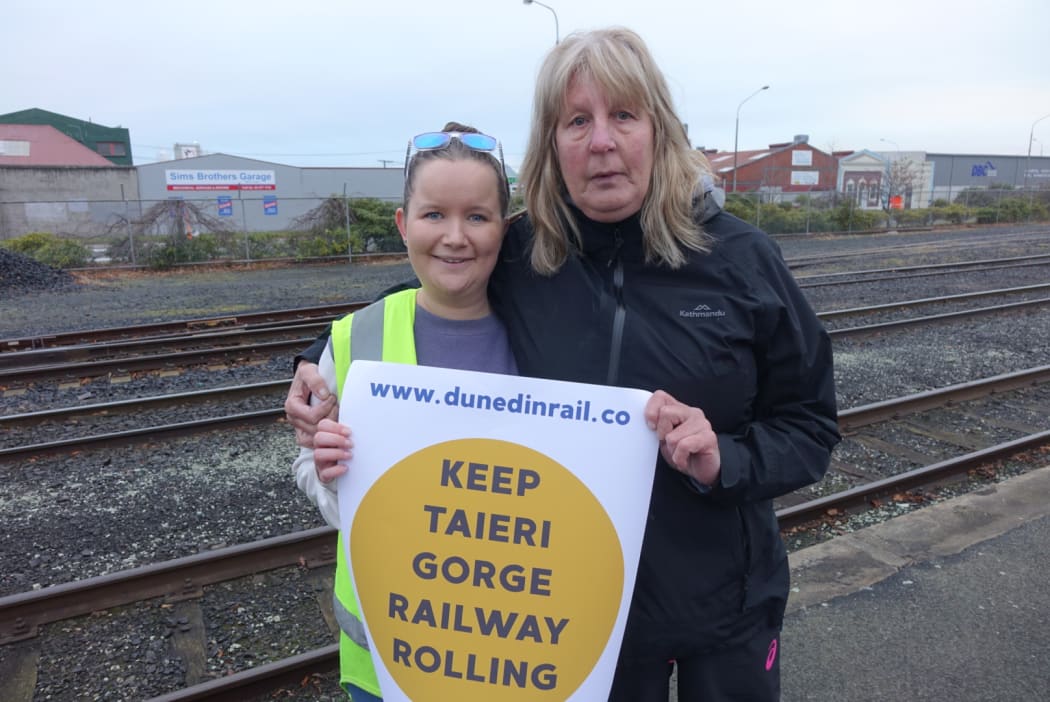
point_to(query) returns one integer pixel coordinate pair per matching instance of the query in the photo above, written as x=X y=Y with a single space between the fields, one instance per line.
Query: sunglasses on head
x=433 y=141
x=429 y=141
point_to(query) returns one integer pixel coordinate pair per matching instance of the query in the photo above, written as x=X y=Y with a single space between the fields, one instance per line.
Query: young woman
x=452 y=222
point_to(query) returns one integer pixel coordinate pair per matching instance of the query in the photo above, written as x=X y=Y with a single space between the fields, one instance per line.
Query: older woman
x=626 y=272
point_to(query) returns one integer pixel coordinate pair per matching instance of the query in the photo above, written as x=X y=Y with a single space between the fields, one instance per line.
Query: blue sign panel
x=270 y=204
x=225 y=207
x=984 y=170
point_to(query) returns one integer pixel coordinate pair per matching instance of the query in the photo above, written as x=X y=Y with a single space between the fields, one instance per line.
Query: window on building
x=14 y=147
x=111 y=148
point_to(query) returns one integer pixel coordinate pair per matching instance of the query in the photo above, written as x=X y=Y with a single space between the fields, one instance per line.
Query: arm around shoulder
x=321 y=493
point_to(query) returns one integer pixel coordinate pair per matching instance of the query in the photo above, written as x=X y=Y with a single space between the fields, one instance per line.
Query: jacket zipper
x=620 y=316
x=746 y=538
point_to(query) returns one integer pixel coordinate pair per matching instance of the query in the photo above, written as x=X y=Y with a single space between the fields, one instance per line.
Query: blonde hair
x=619 y=63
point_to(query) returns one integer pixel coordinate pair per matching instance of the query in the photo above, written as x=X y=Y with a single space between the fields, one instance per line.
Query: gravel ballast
x=92 y=513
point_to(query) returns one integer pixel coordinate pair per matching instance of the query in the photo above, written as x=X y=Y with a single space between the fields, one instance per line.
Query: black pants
x=748 y=672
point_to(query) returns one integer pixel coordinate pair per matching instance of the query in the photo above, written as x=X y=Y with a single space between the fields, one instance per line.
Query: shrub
x=178 y=249
x=330 y=242
x=848 y=217
x=912 y=218
x=269 y=245
x=740 y=206
x=50 y=249
x=954 y=214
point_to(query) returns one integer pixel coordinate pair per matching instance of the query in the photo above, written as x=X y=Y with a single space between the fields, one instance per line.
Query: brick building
x=792 y=167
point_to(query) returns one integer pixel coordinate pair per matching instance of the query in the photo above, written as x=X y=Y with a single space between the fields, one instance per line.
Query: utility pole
x=736 y=129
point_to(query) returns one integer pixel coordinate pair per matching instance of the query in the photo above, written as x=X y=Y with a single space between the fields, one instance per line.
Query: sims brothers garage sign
x=220 y=180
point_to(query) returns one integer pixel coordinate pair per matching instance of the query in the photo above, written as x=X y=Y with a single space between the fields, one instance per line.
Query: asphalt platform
x=950 y=603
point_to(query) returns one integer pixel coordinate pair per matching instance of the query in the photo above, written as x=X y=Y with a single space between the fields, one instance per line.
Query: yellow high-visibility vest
x=383 y=331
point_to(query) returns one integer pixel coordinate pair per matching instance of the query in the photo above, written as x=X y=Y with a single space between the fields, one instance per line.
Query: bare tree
x=333 y=213
x=899 y=178
x=177 y=222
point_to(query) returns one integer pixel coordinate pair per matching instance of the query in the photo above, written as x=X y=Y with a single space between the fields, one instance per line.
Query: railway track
x=872 y=275
x=178 y=328
x=994 y=240
x=902 y=449
x=63 y=364
x=114 y=413
x=95 y=340
x=23 y=616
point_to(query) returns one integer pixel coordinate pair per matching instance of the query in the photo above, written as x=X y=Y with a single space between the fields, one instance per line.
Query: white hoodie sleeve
x=323 y=495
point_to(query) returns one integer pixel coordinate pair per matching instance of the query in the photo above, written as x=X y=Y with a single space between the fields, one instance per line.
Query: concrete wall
x=78 y=201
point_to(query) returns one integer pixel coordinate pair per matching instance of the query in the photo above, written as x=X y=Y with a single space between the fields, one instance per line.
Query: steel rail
x=180 y=326
x=805 y=512
x=931 y=319
x=927 y=247
x=21 y=615
x=910 y=276
x=94 y=369
x=904 y=304
x=238 y=337
x=259 y=680
x=931 y=266
x=230 y=392
x=135 y=436
x=864 y=415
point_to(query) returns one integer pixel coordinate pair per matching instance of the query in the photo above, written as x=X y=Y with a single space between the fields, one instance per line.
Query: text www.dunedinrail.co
x=521 y=403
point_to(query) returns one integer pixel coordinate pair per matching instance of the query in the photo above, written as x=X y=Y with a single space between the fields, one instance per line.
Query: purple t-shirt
x=463 y=344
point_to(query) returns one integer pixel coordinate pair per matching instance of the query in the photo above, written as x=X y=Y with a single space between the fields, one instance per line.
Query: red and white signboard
x=196 y=179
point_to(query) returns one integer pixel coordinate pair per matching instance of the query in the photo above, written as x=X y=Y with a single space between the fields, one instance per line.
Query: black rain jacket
x=731 y=333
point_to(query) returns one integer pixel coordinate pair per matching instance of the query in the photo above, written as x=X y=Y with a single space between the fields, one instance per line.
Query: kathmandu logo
x=701 y=310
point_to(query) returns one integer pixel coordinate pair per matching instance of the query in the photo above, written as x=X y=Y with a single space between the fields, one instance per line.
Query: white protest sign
x=494 y=525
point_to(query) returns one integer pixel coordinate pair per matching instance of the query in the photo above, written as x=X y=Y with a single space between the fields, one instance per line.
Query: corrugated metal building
x=260 y=195
x=953 y=173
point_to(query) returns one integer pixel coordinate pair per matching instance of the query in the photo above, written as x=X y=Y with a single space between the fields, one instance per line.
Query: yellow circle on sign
x=486 y=571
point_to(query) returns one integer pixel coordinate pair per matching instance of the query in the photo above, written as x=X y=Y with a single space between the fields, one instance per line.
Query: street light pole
x=736 y=129
x=346 y=214
x=1031 y=135
x=557 y=33
x=895 y=144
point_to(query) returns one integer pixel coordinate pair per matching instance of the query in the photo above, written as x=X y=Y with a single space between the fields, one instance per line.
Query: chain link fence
x=797 y=212
x=162 y=233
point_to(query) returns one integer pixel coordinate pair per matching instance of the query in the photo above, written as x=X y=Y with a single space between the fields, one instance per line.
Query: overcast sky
x=346 y=82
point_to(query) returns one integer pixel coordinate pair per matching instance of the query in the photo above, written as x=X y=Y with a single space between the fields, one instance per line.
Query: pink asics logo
x=771 y=655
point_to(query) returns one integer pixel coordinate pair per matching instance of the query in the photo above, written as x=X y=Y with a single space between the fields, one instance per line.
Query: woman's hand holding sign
x=332 y=444
x=687 y=440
